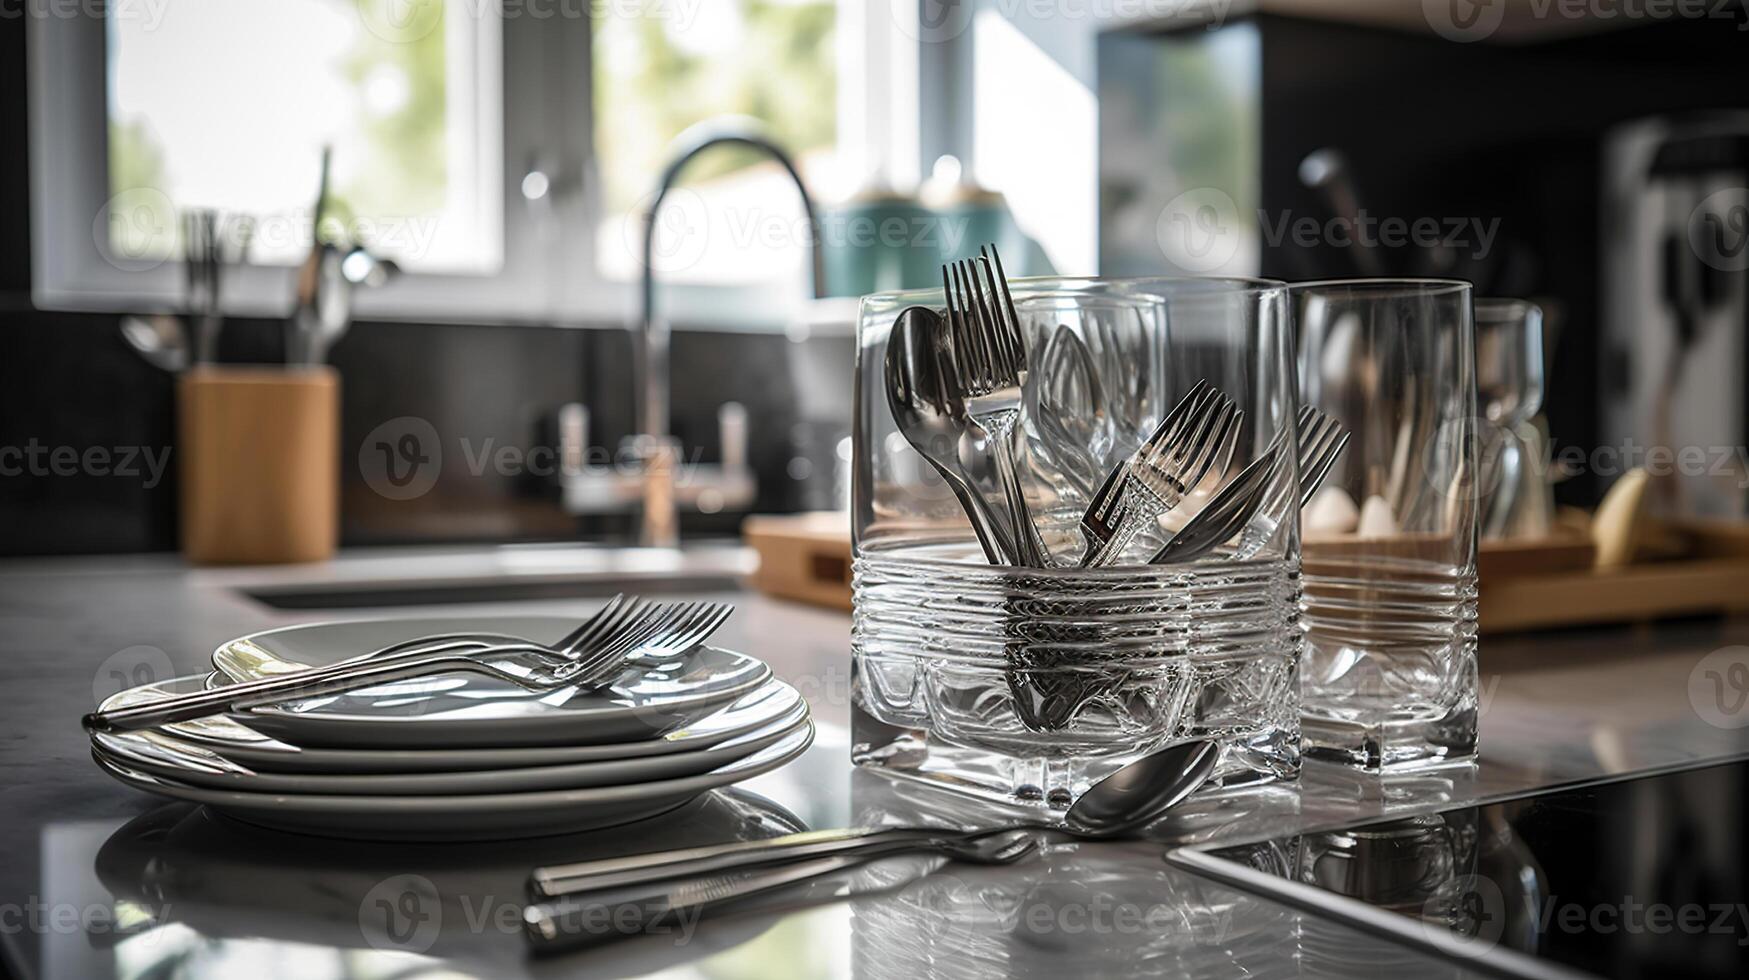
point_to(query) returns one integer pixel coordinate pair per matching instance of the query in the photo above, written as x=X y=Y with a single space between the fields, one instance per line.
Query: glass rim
x=1424 y=286
x=1237 y=285
x=1506 y=305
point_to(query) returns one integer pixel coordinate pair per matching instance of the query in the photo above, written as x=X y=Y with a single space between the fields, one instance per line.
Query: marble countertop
x=98 y=880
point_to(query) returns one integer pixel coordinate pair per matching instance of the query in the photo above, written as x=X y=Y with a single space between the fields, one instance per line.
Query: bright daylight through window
x=736 y=217
x=408 y=104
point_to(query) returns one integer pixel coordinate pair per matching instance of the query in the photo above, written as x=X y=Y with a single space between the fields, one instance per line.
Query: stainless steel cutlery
x=930 y=414
x=210 y=243
x=640 y=891
x=989 y=361
x=589 y=656
x=1172 y=463
x=1252 y=503
x=574 y=922
x=959 y=388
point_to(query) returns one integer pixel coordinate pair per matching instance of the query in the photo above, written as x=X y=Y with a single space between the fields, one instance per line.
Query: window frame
x=549 y=272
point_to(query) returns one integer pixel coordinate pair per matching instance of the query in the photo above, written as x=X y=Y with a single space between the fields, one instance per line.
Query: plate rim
x=280 y=713
x=780 y=754
x=667 y=743
x=771 y=733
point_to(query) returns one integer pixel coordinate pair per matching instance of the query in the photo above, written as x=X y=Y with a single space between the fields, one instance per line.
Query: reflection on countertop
x=161 y=884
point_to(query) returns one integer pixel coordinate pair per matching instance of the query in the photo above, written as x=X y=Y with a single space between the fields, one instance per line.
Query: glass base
x=1390 y=745
x=1050 y=782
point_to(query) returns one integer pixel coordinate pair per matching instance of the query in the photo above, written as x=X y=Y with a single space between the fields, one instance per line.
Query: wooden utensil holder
x=260 y=464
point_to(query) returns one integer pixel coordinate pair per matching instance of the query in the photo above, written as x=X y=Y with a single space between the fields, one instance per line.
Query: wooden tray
x=805 y=557
x=1524 y=584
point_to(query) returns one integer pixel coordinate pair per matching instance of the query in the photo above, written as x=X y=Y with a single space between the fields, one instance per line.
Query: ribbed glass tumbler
x=1390 y=680
x=1027 y=684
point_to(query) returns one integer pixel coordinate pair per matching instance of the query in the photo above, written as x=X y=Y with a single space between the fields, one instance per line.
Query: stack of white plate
x=460 y=755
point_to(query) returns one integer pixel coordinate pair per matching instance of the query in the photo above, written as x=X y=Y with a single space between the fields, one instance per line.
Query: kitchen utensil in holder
x=1024 y=684
x=259 y=464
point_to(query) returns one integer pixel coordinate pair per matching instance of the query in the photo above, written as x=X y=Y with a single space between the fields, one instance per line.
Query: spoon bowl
x=1140 y=792
x=931 y=416
x=159 y=338
x=1130 y=798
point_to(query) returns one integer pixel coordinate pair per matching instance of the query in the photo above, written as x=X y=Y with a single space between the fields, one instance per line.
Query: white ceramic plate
x=463 y=710
x=163 y=755
x=769 y=702
x=490 y=816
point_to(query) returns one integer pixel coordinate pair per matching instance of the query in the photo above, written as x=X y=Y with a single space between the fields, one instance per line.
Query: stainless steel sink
x=417 y=577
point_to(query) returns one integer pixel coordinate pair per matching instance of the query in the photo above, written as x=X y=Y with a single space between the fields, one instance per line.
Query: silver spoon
x=159 y=338
x=1131 y=797
x=931 y=416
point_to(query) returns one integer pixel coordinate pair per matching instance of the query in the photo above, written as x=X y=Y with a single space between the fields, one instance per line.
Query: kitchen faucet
x=653 y=488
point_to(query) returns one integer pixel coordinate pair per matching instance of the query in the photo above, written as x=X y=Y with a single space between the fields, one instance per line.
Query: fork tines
x=1177 y=464
x=989 y=349
x=654 y=628
x=1107 y=510
x=1321 y=441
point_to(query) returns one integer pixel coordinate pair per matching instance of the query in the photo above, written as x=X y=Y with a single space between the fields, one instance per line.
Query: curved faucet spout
x=660 y=524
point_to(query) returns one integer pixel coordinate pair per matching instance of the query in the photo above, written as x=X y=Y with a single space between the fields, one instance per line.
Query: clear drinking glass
x=1515 y=498
x=1389 y=680
x=1027 y=684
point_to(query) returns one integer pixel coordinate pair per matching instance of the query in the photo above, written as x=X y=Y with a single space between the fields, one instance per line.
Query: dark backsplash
x=69 y=380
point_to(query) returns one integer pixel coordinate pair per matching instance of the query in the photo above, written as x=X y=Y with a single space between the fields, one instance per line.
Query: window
x=499 y=151
x=396 y=101
x=774 y=60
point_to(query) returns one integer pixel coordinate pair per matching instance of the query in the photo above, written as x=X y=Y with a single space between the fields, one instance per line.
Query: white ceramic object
x=463 y=710
x=490 y=816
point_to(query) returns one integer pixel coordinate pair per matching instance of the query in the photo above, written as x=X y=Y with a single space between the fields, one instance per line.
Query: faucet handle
x=573 y=436
x=732 y=433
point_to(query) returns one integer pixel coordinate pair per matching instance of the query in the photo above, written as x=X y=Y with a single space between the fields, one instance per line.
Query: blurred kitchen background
x=502 y=157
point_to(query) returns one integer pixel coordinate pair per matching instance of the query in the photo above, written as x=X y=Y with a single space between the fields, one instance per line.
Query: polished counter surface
x=97 y=880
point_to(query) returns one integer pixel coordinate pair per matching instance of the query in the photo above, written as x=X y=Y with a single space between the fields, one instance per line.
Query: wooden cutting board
x=1524 y=584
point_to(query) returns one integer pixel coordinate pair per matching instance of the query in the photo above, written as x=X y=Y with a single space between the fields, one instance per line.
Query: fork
x=1174 y=461
x=1105 y=511
x=989 y=362
x=617 y=631
x=1252 y=503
